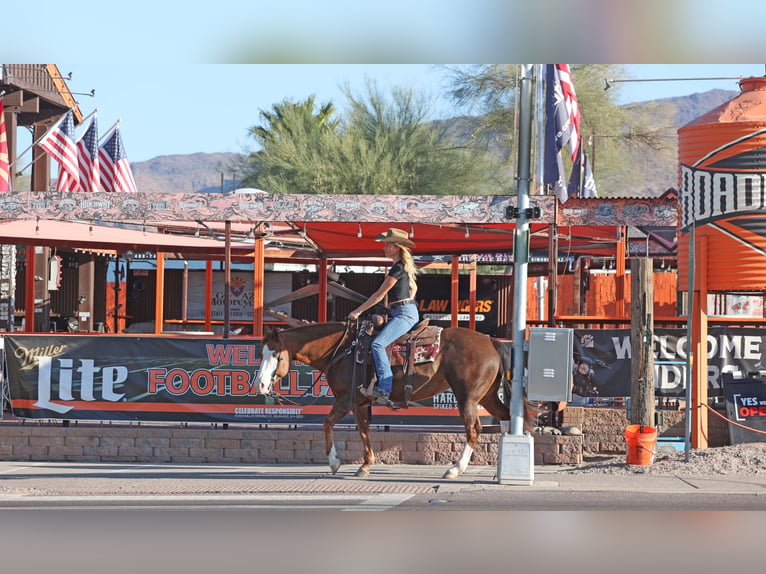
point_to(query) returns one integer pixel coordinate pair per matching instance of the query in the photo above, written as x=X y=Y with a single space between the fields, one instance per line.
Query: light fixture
x=358 y=229
x=90 y=229
x=412 y=231
x=196 y=231
x=467 y=231
x=609 y=82
x=37 y=227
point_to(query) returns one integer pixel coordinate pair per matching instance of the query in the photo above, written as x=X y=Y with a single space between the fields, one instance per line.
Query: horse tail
x=504 y=375
x=503 y=381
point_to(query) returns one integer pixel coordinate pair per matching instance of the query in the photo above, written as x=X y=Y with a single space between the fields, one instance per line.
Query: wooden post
x=619 y=265
x=86 y=275
x=472 y=294
x=322 y=303
x=454 y=296
x=258 y=285
x=642 y=342
x=699 y=413
x=227 y=281
x=29 y=299
x=159 y=295
x=208 y=295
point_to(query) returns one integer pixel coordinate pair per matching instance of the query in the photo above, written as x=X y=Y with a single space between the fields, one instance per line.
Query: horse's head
x=275 y=362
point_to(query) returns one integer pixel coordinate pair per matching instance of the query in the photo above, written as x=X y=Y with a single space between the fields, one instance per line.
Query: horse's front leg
x=336 y=413
x=472 y=432
x=362 y=414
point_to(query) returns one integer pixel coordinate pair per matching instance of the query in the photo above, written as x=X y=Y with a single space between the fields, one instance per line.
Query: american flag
x=581 y=182
x=5 y=171
x=116 y=174
x=58 y=142
x=87 y=159
x=562 y=125
x=566 y=88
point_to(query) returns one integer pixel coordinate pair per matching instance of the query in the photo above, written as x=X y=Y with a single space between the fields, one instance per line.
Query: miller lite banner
x=176 y=379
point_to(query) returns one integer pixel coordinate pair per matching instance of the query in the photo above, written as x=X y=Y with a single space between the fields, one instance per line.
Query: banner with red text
x=114 y=377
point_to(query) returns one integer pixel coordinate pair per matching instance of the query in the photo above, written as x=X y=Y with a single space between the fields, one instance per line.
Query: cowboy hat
x=398 y=236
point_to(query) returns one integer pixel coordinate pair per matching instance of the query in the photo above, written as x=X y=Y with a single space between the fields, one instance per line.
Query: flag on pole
x=116 y=174
x=562 y=125
x=5 y=171
x=581 y=182
x=571 y=108
x=87 y=159
x=588 y=182
x=58 y=142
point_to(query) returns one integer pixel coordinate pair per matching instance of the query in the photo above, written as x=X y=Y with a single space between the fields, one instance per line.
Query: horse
x=470 y=363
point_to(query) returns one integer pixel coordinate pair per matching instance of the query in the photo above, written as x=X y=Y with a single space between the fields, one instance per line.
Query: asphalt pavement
x=27 y=483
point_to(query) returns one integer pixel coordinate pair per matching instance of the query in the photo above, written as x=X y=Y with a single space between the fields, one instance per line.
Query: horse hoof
x=334 y=467
x=451 y=473
x=362 y=472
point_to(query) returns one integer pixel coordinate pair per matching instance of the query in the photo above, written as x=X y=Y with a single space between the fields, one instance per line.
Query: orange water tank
x=722 y=188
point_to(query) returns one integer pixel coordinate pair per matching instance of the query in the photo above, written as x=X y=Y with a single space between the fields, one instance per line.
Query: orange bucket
x=641 y=441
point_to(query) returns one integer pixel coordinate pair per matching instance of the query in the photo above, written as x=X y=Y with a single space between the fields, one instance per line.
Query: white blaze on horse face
x=267 y=370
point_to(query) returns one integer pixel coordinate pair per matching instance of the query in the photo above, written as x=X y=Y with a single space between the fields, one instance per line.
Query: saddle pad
x=427 y=343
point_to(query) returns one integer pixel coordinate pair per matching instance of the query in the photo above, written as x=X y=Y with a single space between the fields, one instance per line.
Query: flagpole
x=521 y=249
x=34 y=143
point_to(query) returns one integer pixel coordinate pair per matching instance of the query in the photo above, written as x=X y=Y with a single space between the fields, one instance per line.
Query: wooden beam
x=641 y=342
x=699 y=413
x=454 y=292
x=258 y=285
x=159 y=294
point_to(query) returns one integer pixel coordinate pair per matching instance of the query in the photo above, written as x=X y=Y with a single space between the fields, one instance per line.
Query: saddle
x=419 y=345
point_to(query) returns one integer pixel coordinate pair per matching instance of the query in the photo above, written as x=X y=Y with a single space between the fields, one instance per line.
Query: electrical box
x=550 y=364
x=516 y=459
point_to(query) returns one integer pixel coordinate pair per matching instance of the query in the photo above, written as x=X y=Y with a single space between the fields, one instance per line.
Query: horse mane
x=318 y=329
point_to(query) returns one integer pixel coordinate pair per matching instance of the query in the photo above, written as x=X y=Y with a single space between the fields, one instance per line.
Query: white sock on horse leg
x=465 y=458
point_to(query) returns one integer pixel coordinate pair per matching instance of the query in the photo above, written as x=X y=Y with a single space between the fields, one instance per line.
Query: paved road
x=128 y=518
x=51 y=485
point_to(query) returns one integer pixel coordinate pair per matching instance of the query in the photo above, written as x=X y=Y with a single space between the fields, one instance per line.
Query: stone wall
x=604 y=428
x=221 y=444
x=602 y=433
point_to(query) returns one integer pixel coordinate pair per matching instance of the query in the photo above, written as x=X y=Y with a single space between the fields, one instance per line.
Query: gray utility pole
x=521 y=246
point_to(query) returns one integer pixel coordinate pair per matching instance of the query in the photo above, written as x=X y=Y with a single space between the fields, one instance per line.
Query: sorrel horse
x=468 y=362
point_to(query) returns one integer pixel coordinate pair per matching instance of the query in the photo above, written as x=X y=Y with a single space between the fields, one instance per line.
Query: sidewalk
x=21 y=480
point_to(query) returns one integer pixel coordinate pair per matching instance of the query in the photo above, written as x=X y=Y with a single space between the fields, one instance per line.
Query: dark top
x=401 y=289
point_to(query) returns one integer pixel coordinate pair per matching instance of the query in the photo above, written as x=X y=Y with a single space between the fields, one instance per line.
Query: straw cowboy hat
x=397 y=236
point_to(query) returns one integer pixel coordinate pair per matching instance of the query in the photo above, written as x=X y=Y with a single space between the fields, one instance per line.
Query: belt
x=396 y=304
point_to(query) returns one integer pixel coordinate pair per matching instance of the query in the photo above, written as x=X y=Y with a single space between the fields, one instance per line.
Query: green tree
x=383 y=145
x=624 y=142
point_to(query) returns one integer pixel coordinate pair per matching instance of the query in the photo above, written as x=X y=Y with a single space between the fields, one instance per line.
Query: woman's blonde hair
x=410 y=268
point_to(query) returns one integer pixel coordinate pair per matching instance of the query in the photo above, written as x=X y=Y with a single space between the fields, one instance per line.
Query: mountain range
x=215 y=172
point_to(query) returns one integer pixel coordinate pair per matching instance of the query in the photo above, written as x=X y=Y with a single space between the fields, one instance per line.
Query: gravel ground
x=740 y=459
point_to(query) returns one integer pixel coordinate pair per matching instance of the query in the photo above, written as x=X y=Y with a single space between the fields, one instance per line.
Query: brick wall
x=603 y=433
x=604 y=428
x=147 y=442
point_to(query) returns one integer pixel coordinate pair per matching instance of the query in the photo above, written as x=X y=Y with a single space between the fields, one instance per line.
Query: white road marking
x=349 y=502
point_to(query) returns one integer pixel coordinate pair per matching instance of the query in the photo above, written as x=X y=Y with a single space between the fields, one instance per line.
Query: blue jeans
x=402 y=319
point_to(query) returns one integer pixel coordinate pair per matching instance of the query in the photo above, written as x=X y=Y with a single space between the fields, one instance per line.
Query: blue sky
x=187 y=108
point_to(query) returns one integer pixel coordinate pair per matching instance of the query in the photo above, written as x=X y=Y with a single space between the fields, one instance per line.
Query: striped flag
x=5 y=171
x=572 y=110
x=58 y=142
x=581 y=182
x=116 y=174
x=87 y=159
x=562 y=125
